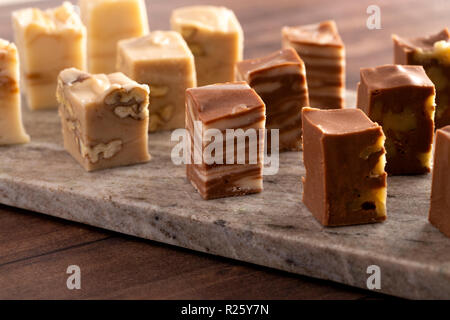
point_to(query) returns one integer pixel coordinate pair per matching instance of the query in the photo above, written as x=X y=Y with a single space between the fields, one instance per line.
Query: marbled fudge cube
x=401 y=100
x=11 y=127
x=433 y=53
x=164 y=62
x=48 y=41
x=343 y=153
x=215 y=37
x=107 y=22
x=280 y=80
x=104 y=118
x=226 y=131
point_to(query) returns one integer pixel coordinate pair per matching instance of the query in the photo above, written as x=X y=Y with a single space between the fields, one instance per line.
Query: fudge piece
x=215 y=37
x=48 y=41
x=104 y=118
x=230 y=166
x=440 y=191
x=401 y=100
x=107 y=22
x=11 y=127
x=433 y=53
x=322 y=50
x=164 y=62
x=279 y=79
x=344 y=158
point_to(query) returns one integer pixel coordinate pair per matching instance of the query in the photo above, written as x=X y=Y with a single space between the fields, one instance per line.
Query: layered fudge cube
x=164 y=62
x=433 y=53
x=107 y=22
x=401 y=100
x=439 y=214
x=104 y=118
x=215 y=37
x=48 y=41
x=322 y=50
x=344 y=158
x=11 y=127
x=280 y=80
x=225 y=123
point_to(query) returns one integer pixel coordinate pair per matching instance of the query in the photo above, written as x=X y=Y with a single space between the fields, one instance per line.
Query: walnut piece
x=108 y=150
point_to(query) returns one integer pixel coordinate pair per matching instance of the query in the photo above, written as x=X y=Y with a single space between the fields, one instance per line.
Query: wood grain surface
x=35 y=250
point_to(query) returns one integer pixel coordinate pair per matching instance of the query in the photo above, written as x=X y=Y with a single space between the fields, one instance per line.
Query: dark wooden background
x=35 y=250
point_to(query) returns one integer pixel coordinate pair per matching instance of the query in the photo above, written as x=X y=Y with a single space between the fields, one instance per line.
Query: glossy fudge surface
x=104 y=119
x=433 y=53
x=343 y=153
x=401 y=100
x=440 y=194
x=220 y=107
x=280 y=81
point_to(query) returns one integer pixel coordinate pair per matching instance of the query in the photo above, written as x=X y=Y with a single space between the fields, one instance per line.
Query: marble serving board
x=155 y=201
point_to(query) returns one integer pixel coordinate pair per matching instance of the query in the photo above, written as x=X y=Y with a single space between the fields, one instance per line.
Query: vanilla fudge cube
x=215 y=37
x=162 y=60
x=48 y=41
x=107 y=22
x=11 y=127
x=280 y=80
x=104 y=118
x=344 y=157
x=226 y=124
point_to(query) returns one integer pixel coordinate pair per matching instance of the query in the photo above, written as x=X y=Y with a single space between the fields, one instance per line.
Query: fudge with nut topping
x=433 y=53
x=344 y=157
x=215 y=37
x=164 y=62
x=107 y=22
x=11 y=127
x=321 y=48
x=104 y=118
x=401 y=100
x=280 y=80
x=225 y=123
x=48 y=41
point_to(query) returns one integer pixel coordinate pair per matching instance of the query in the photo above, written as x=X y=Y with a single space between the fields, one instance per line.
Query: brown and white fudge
x=107 y=22
x=48 y=41
x=439 y=214
x=344 y=158
x=433 y=53
x=104 y=118
x=235 y=167
x=164 y=62
x=11 y=127
x=216 y=39
x=322 y=50
x=401 y=100
x=280 y=80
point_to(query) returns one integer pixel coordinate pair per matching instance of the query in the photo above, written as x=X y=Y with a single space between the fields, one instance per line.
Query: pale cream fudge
x=104 y=118
x=107 y=22
x=48 y=41
x=11 y=127
x=215 y=37
x=162 y=60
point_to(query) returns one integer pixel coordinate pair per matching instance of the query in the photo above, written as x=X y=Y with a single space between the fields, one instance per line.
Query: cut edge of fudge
x=324 y=33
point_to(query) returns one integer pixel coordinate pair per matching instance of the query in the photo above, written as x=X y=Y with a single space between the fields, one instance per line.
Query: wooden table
x=35 y=250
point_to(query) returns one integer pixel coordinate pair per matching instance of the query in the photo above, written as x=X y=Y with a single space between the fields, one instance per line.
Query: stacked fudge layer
x=433 y=53
x=322 y=50
x=214 y=110
x=280 y=81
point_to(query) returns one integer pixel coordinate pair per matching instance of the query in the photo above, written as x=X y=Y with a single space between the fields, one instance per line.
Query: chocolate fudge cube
x=344 y=157
x=279 y=79
x=440 y=192
x=321 y=48
x=433 y=53
x=401 y=100
x=235 y=167
x=104 y=119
